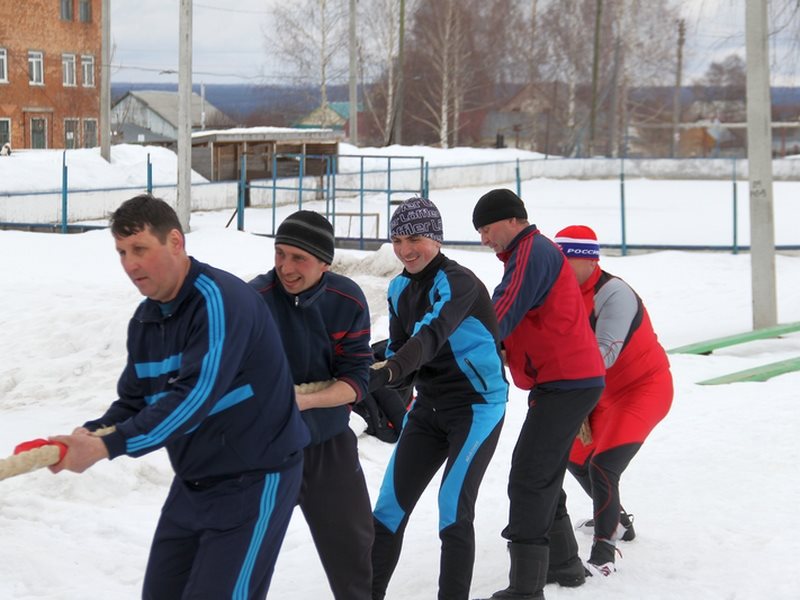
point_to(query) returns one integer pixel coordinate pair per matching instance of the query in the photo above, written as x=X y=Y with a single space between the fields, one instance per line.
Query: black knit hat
x=497 y=205
x=309 y=231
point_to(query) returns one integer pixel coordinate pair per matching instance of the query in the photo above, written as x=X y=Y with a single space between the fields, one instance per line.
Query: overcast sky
x=229 y=40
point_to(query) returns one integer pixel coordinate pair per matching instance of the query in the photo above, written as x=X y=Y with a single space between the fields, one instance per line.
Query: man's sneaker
x=601 y=559
x=624 y=531
x=603 y=570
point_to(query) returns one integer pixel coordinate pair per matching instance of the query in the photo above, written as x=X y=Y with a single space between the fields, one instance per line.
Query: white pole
x=184 y=202
x=105 y=80
x=759 y=159
x=353 y=77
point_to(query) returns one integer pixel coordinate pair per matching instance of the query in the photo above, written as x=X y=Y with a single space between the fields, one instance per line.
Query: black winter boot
x=527 y=573
x=566 y=567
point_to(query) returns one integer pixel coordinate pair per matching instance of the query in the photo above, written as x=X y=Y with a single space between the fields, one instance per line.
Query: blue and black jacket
x=443 y=336
x=326 y=332
x=207 y=379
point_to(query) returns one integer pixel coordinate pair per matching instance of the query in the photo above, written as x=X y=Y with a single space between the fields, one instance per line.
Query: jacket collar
x=152 y=310
x=512 y=247
x=307 y=297
x=430 y=269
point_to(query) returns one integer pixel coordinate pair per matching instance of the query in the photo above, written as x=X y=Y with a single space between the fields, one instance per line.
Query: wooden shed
x=217 y=154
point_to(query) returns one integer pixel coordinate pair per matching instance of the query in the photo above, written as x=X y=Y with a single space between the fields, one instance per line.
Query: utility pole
x=595 y=64
x=676 y=95
x=353 y=77
x=105 y=80
x=396 y=134
x=183 y=205
x=759 y=161
x=533 y=72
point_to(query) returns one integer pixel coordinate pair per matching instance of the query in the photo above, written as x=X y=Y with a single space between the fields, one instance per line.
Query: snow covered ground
x=711 y=490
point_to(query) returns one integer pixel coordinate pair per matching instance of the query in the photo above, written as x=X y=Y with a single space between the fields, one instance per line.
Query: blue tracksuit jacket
x=207 y=379
x=325 y=331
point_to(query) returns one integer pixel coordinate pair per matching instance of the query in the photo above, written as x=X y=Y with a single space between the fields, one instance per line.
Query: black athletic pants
x=335 y=502
x=540 y=458
x=464 y=437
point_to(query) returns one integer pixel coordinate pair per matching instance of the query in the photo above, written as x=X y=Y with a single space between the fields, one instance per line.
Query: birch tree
x=311 y=35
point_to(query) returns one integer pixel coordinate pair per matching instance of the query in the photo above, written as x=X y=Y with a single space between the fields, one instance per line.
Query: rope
x=41 y=454
x=24 y=462
x=313 y=386
x=49 y=453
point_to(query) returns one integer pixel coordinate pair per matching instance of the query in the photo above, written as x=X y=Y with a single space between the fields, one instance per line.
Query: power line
x=232 y=10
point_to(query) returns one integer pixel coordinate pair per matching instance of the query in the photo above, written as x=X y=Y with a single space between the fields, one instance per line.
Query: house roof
x=266 y=134
x=166 y=105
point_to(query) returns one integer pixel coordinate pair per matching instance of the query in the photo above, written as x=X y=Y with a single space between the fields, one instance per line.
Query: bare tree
x=312 y=36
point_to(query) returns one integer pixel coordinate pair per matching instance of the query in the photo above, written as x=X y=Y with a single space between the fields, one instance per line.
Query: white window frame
x=5 y=120
x=35 y=67
x=68 y=75
x=77 y=132
x=96 y=133
x=87 y=70
x=3 y=65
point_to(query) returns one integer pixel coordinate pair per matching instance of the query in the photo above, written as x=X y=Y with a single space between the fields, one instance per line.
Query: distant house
x=157 y=112
x=333 y=115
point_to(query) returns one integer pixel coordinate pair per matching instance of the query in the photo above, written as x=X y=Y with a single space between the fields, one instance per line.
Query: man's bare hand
x=82 y=452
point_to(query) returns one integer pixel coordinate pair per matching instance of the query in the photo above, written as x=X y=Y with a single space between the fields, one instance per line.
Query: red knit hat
x=578 y=241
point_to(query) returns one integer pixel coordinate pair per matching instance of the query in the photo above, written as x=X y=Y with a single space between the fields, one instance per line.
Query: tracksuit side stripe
x=271 y=483
x=208 y=372
x=485 y=418
x=387 y=510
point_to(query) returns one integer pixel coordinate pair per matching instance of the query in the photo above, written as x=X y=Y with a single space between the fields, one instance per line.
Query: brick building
x=50 y=53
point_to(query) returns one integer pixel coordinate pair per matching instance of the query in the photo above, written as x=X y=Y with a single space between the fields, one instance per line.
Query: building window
x=66 y=10
x=35 y=68
x=85 y=11
x=89 y=133
x=71 y=130
x=5 y=131
x=38 y=133
x=87 y=66
x=68 y=69
x=3 y=65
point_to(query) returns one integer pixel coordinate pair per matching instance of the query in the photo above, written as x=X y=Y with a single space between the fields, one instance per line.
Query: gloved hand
x=379 y=377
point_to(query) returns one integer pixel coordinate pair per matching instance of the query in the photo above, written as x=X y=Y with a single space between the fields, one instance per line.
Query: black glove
x=379 y=378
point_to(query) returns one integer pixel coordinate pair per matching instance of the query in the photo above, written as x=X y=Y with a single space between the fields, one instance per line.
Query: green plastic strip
x=709 y=346
x=761 y=373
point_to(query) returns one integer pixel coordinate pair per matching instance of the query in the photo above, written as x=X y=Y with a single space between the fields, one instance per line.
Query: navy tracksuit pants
x=464 y=437
x=335 y=502
x=220 y=539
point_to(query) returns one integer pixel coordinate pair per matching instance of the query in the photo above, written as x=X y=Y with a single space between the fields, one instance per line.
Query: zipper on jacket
x=478 y=375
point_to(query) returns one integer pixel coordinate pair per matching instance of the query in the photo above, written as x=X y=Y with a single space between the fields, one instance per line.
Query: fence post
x=388 y=199
x=735 y=211
x=274 y=189
x=64 y=192
x=149 y=175
x=300 y=183
x=519 y=182
x=334 y=169
x=242 y=187
x=361 y=207
x=426 y=182
x=623 y=245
